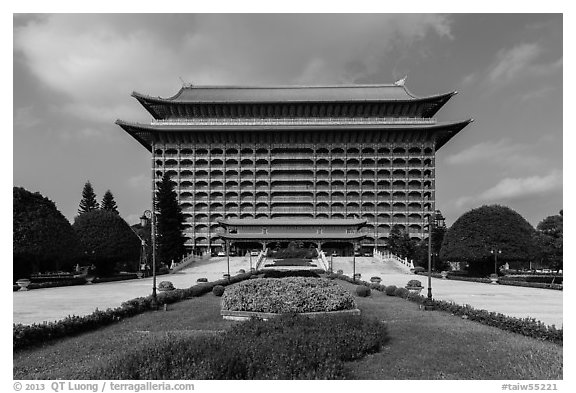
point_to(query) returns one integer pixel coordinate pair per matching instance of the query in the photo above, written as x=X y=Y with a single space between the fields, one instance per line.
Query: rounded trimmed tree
x=471 y=238
x=43 y=239
x=106 y=240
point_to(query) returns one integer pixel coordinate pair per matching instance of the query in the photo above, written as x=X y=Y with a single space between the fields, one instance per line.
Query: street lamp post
x=495 y=252
x=151 y=215
x=434 y=220
x=429 y=305
x=226 y=244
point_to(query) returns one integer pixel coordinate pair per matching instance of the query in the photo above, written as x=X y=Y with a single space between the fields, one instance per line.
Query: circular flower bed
x=287 y=295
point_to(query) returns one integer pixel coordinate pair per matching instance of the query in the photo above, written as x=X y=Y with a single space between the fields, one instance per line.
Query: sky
x=73 y=75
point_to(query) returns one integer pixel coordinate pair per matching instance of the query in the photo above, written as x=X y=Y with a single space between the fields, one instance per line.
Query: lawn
x=423 y=344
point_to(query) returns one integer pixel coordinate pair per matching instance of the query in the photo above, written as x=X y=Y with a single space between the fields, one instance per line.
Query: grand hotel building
x=301 y=153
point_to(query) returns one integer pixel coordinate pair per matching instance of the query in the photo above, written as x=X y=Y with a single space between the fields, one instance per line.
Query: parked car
x=368 y=254
x=255 y=253
x=221 y=254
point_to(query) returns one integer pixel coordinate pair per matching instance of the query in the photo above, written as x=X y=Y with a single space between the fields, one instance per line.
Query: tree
x=106 y=240
x=88 y=201
x=400 y=244
x=108 y=202
x=43 y=239
x=477 y=232
x=549 y=240
x=169 y=223
x=421 y=251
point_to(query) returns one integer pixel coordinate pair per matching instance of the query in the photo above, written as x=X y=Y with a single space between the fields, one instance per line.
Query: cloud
x=513 y=64
x=509 y=189
x=96 y=60
x=503 y=152
x=510 y=63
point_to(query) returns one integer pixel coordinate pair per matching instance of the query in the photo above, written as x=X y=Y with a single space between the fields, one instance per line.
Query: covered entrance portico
x=337 y=235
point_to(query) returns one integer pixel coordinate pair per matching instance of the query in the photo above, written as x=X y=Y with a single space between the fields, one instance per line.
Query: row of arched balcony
x=309 y=196
x=287 y=172
x=215 y=151
x=292 y=160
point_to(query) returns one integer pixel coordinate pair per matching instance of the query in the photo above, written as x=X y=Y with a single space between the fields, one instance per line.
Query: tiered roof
x=222 y=110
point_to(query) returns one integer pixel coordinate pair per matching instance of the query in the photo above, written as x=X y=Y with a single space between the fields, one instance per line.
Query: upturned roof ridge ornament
x=401 y=82
x=185 y=84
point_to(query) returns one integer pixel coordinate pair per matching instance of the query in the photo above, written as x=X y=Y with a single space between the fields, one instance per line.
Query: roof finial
x=401 y=82
x=185 y=84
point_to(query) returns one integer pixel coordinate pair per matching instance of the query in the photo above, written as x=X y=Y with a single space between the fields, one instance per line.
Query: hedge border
x=529 y=327
x=501 y=280
x=25 y=336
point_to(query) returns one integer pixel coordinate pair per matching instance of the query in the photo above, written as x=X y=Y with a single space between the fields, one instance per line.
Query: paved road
x=56 y=303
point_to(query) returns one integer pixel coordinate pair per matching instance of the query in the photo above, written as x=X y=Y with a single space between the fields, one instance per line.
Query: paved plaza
x=56 y=303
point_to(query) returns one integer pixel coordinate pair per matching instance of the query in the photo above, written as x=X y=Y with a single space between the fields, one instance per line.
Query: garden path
x=56 y=303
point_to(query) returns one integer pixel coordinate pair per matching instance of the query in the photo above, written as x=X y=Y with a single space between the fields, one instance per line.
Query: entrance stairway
x=393 y=264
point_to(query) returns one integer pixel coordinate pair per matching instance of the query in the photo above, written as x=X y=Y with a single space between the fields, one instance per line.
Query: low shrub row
x=39 y=333
x=287 y=295
x=531 y=281
x=290 y=273
x=526 y=326
x=505 y=281
x=287 y=347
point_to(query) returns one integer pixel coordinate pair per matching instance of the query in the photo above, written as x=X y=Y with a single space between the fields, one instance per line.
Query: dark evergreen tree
x=486 y=228
x=43 y=239
x=108 y=202
x=169 y=223
x=88 y=201
x=106 y=241
x=400 y=244
x=421 y=252
x=549 y=240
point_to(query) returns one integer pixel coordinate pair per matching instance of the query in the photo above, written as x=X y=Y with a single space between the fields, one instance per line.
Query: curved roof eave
x=145 y=99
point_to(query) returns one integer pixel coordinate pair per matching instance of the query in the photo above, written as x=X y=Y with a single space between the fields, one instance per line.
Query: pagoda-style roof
x=238 y=222
x=366 y=132
x=386 y=100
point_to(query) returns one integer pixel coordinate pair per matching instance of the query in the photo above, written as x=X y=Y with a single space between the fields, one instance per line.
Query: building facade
x=299 y=152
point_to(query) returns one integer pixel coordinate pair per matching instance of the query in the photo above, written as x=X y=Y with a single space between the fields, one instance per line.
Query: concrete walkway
x=56 y=303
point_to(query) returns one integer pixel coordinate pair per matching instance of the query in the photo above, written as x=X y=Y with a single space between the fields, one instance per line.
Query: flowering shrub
x=287 y=295
x=287 y=347
x=165 y=286
x=414 y=283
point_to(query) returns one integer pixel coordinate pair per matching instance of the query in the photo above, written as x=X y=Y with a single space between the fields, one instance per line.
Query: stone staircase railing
x=187 y=261
x=323 y=260
x=261 y=258
x=405 y=264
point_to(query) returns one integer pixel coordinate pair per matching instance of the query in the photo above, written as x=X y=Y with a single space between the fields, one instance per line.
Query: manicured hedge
x=526 y=281
x=287 y=295
x=287 y=347
x=289 y=273
x=39 y=333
